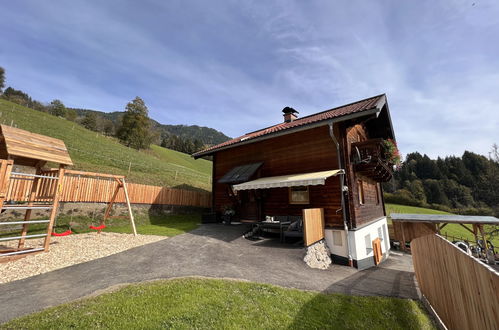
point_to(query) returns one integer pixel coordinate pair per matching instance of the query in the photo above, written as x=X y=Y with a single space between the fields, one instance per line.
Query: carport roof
x=445 y=218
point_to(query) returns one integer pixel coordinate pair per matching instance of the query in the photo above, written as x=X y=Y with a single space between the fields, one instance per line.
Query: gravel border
x=69 y=250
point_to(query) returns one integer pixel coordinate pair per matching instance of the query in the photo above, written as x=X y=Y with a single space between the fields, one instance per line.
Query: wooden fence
x=81 y=188
x=463 y=291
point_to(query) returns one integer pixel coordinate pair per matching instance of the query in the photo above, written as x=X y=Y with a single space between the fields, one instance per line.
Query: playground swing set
x=21 y=148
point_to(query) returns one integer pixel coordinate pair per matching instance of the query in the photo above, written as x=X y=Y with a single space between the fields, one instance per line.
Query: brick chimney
x=289 y=114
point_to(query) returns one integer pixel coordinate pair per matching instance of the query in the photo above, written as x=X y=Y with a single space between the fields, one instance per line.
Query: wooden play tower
x=21 y=148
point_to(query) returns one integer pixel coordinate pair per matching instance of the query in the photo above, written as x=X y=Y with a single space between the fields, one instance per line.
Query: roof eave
x=373 y=111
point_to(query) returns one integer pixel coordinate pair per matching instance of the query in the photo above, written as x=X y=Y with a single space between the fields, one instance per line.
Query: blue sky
x=233 y=65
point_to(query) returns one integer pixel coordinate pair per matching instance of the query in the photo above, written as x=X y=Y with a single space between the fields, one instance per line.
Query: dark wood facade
x=302 y=152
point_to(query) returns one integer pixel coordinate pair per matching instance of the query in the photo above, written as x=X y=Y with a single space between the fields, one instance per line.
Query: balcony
x=368 y=159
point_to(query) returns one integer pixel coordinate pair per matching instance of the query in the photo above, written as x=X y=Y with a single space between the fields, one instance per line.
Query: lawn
x=162 y=225
x=225 y=304
x=453 y=230
x=94 y=152
x=169 y=225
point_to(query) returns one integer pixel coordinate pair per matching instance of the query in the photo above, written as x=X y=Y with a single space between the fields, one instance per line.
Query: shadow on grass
x=358 y=302
x=349 y=312
x=190 y=187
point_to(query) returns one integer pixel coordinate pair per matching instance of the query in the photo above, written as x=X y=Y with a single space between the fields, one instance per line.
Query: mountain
x=208 y=136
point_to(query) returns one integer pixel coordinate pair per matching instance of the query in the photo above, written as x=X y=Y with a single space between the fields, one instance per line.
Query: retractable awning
x=293 y=180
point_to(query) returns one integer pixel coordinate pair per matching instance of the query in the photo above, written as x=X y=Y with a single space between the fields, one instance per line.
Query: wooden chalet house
x=332 y=160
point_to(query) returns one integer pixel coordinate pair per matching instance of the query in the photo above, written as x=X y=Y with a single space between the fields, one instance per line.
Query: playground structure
x=24 y=149
x=121 y=184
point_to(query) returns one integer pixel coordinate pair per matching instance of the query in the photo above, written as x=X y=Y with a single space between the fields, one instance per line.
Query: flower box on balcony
x=370 y=159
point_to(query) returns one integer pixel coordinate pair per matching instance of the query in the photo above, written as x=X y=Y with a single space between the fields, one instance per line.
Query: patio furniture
x=276 y=223
x=295 y=229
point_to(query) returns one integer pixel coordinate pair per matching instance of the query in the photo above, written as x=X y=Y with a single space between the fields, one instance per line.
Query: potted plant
x=228 y=213
x=391 y=152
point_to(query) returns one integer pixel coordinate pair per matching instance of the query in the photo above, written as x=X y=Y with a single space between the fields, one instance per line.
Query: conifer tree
x=2 y=79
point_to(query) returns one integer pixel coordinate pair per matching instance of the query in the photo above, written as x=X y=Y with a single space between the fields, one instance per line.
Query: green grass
x=91 y=151
x=162 y=225
x=223 y=304
x=453 y=230
x=170 y=225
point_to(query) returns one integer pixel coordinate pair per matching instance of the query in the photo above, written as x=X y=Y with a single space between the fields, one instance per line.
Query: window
x=299 y=195
x=360 y=187
x=377 y=193
x=387 y=242
x=337 y=238
x=380 y=233
x=367 y=240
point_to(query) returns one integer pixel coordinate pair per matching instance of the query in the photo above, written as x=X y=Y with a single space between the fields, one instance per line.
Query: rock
x=318 y=255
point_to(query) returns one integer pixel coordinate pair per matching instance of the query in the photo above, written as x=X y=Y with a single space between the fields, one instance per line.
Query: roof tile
x=343 y=110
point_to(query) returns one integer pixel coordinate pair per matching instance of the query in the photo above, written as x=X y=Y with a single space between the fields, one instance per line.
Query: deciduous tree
x=135 y=127
x=71 y=114
x=57 y=108
x=90 y=121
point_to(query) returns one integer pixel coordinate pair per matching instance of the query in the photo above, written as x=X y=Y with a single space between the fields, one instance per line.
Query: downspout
x=342 y=191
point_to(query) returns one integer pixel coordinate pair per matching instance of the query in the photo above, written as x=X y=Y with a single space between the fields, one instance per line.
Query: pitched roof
x=28 y=147
x=344 y=110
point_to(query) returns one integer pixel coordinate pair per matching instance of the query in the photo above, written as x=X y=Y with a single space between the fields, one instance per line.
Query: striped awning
x=293 y=180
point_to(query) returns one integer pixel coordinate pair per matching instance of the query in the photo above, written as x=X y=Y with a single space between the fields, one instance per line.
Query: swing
x=121 y=185
x=66 y=233
x=99 y=228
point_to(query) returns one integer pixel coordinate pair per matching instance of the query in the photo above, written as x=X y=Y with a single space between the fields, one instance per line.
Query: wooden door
x=249 y=208
x=378 y=254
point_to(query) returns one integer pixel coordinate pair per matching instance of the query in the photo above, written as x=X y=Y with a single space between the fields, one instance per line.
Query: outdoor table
x=262 y=225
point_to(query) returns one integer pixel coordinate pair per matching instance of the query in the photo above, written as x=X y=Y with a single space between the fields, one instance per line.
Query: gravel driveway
x=211 y=251
x=69 y=250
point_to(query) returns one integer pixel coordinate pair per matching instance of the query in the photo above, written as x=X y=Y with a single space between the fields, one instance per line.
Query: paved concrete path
x=211 y=251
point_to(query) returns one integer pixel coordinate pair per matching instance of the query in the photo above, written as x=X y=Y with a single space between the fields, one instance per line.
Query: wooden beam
x=94 y=174
x=5 y=170
x=132 y=221
x=471 y=231
x=55 y=204
x=110 y=205
x=480 y=228
x=403 y=236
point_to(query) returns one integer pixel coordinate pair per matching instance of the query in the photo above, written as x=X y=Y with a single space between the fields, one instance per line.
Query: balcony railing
x=368 y=159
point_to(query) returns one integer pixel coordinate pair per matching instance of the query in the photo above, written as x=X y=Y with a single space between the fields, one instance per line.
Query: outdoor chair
x=295 y=229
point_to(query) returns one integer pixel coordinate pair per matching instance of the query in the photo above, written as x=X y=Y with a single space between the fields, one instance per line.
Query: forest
x=466 y=185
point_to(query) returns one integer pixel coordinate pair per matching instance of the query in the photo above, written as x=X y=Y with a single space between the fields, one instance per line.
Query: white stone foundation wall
x=318 y=255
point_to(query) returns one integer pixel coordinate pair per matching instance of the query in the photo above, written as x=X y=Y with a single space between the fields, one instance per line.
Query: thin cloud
x=233 y=66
